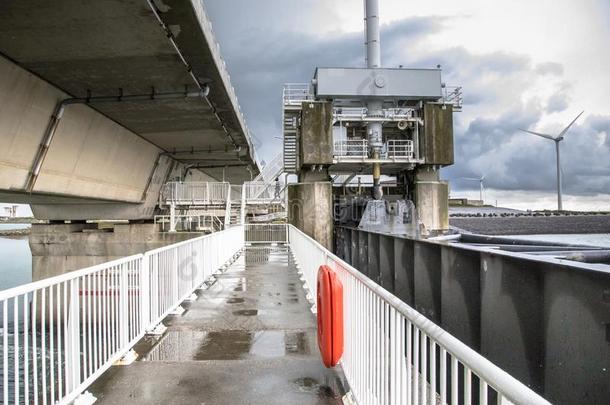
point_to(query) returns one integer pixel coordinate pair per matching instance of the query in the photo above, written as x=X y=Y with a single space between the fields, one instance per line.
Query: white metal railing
x=181 y=193
x=361 y=114
x=399 y=149
x=190 y=222
x=453 y=95
x=261 y=192
x=392 y=353
x=356 y=148
x=271 y=170
x=296 y=93
x=61 y=333
x=265 y=233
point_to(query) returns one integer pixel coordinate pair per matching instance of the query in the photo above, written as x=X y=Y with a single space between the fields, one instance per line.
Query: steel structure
x=538 y=310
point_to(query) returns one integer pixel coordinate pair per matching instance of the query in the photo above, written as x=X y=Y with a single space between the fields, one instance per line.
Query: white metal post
x=123 y=304
x=243 y=204
x=72 y=344
x=172 y=217
x=144 y=292
x=228 y=208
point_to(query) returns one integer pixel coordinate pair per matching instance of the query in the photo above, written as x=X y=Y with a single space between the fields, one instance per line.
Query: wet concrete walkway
x=248 y=339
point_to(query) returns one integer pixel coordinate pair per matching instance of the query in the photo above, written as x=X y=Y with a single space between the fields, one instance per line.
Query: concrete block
x=437 y=143
x=433 y=205
x=316 y=141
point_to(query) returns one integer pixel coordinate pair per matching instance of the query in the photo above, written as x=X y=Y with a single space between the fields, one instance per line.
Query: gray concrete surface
x=249 y=339
x=108 y=152
x=310 y=209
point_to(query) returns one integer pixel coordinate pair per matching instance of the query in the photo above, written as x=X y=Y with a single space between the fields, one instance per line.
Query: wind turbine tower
x=557 y=139
x=480 y=180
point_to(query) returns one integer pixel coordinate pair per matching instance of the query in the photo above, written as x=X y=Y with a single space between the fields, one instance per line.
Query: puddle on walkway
x=311 y=385
x=227 y=345
x=235 y=300
x=246 y=312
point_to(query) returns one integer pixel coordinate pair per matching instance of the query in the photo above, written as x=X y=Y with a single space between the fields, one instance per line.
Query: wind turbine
x=480 y=180
x=557 y=139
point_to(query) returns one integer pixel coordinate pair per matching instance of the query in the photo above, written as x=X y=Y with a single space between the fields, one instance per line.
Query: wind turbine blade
x=538 y=134
x=562 y=133
x=470 y=178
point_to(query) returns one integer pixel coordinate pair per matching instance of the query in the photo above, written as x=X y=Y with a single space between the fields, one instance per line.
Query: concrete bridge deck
x=250 y=338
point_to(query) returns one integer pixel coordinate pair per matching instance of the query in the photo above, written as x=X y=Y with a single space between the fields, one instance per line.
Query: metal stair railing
x=271 y=170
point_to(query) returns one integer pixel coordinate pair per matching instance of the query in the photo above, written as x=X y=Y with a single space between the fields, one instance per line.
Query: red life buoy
x=330 y=316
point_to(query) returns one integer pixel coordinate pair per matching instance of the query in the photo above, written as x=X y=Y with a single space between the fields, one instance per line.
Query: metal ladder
x=289 y=119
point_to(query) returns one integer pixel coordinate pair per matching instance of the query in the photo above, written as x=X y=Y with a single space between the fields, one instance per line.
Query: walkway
x=248 y=339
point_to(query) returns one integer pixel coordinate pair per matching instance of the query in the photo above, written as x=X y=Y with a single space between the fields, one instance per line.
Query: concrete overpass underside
x=150 y=99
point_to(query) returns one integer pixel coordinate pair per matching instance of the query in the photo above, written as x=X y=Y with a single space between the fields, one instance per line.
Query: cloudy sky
x=522 y=64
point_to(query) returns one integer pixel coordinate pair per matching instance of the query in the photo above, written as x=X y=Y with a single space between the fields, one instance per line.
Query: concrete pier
x=248 y=339
x=60 y=248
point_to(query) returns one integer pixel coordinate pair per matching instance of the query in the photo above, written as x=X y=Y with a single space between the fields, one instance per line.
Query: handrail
x=65 y=331
x=389 y=346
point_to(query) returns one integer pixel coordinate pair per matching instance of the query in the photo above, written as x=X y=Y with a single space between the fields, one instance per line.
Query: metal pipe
x=373 y=48
x=374 y=107
x=170 y=36
x=58 y=112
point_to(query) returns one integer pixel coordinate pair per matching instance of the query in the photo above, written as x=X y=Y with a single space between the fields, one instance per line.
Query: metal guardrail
x=271 y=170
x=453 y=95
x=192 y=193
x=399 y=148
x=261 y=192
x=265 y=233
x=395 y=355
x=361 y=114
x=190 y=222
x=296 y=93
x=62 y=333
x=358 y=149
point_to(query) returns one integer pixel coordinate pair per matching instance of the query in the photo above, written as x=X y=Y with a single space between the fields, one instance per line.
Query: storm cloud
x=263 y=51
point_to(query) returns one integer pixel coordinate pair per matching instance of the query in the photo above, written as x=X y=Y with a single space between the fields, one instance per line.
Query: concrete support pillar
x=432 y=201
x=61 y=248
x=310 y=209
